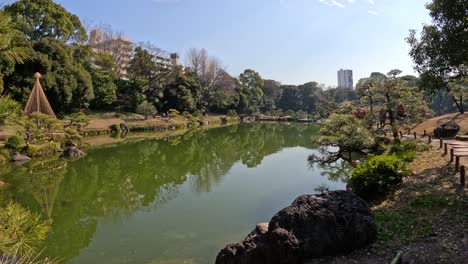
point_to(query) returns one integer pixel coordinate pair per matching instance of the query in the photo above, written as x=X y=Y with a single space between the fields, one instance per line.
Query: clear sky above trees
x=292 y=41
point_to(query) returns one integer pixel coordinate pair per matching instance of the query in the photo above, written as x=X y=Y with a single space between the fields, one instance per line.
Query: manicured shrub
x=173 y=113
x=78 y=120
x=231 y=112
x=192 y=120
x=377 y=176
x=197 y=113
x=4 y=155
x=73 y=138
x=45 y=149
x=115 y=128
x=147 y=109
x=405 y=150
x=15 y=143
x=290 y=113
x=301 y=114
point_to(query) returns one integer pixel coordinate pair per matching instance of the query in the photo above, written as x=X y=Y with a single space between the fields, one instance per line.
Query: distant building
x=345 y=79
x=175 y=59
x=165 y=61
x=119 y=48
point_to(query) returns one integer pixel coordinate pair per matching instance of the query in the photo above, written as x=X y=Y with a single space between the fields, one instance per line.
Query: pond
x=174 y=200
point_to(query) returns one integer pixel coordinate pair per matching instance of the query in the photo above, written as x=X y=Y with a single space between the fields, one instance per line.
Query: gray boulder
x=447 y=130
x=312 y=227
x=18 y=157
x=73 y=152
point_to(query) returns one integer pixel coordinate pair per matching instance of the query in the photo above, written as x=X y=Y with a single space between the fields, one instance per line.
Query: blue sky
x=292 y=41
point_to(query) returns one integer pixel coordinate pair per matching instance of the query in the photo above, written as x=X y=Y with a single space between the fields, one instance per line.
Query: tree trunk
x=459 y=105
x=394 y=126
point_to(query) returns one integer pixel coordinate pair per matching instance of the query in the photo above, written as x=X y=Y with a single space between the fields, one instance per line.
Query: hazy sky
x=292 y=41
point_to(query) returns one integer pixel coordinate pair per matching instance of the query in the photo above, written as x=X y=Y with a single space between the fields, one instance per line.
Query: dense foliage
x=440 y=53
x=377 y=176
x=392 y=97
x=21 y=231
x=342 y=136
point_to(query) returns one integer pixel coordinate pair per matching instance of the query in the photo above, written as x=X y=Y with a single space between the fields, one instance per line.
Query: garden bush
x=377 y=176
x=45 y=149
x=73 y=138
x=405 y=150
x=173 y=113
x=115 y=128
x=231 y=112
x=15 y=143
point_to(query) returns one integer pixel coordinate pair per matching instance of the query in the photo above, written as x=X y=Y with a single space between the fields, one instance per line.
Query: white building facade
x=345 y=79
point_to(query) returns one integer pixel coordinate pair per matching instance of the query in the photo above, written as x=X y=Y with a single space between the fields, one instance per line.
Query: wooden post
x=441 y=142
x=445 y=148
x=409 y=131
x=462 y=176
x=401 y=134
x=457 y=163
x=414 y=135
x=430 y=139
x=424 y=133
x=398 y=258
x=451 y=155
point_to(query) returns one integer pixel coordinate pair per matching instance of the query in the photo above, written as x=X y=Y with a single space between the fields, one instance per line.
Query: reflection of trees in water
x=337 y=171
x=44 y=183
x=114 y=182
x=38 y=181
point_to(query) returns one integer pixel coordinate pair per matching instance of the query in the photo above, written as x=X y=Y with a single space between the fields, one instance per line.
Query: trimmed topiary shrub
x=15 y=143
x=231 y=113
x=377 y=176
x=46 y=149
x=115 y=128
x=173 y=113
x=73 y=138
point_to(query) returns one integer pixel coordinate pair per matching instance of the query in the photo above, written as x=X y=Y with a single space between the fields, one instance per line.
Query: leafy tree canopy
x=440 y=54
x=65 y=70
x=40 y=19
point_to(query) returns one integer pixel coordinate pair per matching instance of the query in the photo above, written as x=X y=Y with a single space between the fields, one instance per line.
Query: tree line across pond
x=42 y=36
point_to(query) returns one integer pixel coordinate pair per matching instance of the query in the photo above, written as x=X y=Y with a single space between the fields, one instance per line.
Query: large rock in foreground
x=313 y=226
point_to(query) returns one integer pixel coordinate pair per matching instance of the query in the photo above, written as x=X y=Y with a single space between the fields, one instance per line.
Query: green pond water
x=175 y=200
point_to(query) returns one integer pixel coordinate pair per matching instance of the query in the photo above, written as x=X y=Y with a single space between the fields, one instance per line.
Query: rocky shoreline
x=312 y=226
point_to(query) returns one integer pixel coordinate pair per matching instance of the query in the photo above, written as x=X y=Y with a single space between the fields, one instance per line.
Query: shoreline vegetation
x=110 y=127
x=112 y=130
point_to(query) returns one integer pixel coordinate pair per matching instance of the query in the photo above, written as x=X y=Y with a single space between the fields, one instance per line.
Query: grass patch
x=434 y=201
x=415 y=220
x=404 y=225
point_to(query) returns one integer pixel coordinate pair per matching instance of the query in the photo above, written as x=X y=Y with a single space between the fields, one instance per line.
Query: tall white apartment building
x=345 y=79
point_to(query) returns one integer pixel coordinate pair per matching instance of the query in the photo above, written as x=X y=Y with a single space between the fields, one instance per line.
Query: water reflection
x=109 y=184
